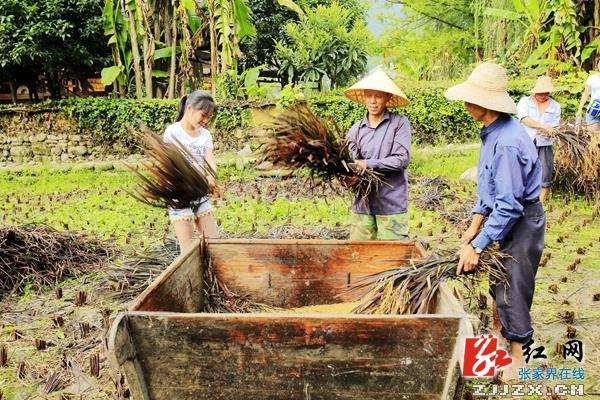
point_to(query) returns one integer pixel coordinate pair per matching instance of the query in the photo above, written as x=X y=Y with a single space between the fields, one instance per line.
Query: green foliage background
x=434 y=119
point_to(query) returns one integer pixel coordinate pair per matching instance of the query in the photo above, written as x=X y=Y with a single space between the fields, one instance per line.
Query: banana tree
x=167 y=32
x=232 y=24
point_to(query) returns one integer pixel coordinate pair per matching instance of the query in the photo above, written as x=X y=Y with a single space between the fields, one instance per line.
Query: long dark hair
x=199 y=100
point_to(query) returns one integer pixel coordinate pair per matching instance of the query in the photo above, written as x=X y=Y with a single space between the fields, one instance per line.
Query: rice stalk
x=577 y=161
x=40 y=255
x=301 y=140
x=413 y=288
x=173 y=178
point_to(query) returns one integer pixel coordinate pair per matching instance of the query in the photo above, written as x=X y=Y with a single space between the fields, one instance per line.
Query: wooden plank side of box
x=297 y=273
x=179 y=288
x=286 y=356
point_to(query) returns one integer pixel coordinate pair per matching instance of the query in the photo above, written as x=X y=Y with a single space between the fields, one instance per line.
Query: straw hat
x=543 y=85
x=486 y=87
x=377 y=80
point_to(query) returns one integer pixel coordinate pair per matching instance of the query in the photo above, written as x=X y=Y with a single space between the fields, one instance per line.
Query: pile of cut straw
x=577 y=161
x=41 y=255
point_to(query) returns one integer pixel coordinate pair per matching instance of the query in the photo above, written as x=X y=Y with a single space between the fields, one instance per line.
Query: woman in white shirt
x=540 y=115
x=592 y=86
x=195 y=110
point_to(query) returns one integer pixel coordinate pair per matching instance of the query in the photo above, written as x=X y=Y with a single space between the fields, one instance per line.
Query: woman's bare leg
x=184 y=230
x=207 y=225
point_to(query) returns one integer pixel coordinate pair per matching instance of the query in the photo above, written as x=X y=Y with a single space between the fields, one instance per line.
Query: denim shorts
x=591 y=120
x=201 y=208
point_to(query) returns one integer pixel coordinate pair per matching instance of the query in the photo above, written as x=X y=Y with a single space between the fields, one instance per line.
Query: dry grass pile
x=172 y=179
x=40 y=255
x=577 y=161
x=301 y=140
x=413 y=288
x=130 y=276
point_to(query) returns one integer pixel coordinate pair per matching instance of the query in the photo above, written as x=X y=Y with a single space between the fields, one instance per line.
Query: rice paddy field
x=53 y=334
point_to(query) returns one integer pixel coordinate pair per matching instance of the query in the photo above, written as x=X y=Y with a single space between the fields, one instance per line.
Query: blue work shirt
x=509 y=174
x=387 y=151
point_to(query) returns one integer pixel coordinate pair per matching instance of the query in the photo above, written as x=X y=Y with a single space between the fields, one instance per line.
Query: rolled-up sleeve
x=481 y=208
x=399 y=157
x=507 y=208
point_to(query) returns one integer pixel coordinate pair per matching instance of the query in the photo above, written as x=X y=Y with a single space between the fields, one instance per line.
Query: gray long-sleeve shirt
x=387 y=150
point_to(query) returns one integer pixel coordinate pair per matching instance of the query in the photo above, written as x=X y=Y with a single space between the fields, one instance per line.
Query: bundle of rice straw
x=577 y=161
x=41 y=255
x=413 y=288
x=173 y=179
x=301 y=140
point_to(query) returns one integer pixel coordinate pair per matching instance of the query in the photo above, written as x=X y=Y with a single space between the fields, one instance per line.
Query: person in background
x=381 y=141
x=540 y=115
x=508 y=189
x=592 y=116
x=195 y=110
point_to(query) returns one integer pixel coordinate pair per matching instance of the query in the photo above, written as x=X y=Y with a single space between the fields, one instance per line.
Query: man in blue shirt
x=508 y=189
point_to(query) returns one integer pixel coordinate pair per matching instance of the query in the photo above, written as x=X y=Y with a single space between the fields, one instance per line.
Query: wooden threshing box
x=169 y=349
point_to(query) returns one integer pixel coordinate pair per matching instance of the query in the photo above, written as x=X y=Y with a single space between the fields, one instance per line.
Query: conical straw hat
x=377 y=80
x=543 y=85
x=486 y=87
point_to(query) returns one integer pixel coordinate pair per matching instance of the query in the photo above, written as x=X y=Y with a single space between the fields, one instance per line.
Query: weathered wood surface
x=298 y=273
x=179 y=288
x=285 y=356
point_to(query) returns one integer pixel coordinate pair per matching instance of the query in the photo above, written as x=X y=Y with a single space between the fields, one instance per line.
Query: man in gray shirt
x=381 y=141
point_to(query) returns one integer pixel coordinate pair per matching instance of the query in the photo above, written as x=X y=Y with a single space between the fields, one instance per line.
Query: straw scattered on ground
x=40 y=255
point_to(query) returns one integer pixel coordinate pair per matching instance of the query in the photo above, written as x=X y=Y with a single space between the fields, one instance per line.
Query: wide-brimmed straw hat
x=543 y=85
x=486 y=87
x=377 y=80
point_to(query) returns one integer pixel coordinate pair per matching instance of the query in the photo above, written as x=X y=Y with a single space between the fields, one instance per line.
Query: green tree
x=270 y=18
x=430 y=39
x=555 y=35
x=327 y=41
x=51 y=38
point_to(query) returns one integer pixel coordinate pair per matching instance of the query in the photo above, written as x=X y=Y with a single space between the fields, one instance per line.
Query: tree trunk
x=13 y=91
x=117 y=88
x=135 y=51
x=173 y=69
x=596 y=24
x=213 y=46
x=147 y=44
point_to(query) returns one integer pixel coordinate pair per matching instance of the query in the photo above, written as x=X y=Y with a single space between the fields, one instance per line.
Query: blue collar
x=499 y=122
x=365 y=121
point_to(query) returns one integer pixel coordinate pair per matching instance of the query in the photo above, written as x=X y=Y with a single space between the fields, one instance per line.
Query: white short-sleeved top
x=197 y=146
x=527 y=107
x=594 y=83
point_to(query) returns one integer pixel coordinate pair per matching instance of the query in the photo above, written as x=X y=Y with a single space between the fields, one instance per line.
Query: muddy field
x=54 y=336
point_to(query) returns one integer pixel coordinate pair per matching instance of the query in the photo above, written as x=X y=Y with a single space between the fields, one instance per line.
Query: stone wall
x=45 y=135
